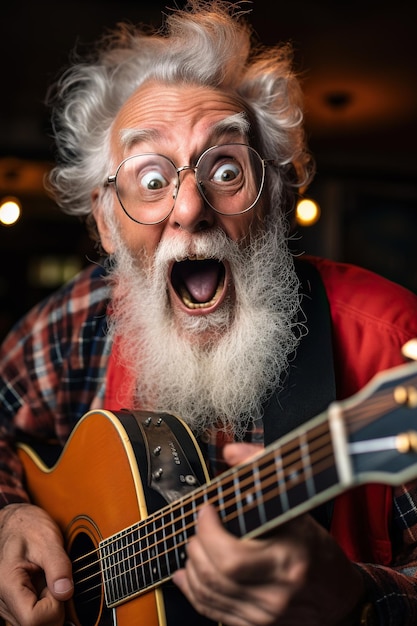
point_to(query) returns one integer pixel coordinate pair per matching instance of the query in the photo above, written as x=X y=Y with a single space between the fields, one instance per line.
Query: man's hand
x=35 y=571
x=295 y=575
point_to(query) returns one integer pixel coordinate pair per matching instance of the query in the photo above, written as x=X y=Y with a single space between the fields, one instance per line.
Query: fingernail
x=63 y=585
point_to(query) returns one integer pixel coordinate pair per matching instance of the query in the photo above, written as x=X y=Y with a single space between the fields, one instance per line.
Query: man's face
x=203 y=303
x=181 y=122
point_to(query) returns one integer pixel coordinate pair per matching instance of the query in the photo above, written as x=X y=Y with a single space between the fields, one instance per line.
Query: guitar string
x=178 y=503
x=375 y=407
x=267 y=475
x=288 y=452
x=141 y=586
x=163 y=512
x=230 y=491
x=215 y=481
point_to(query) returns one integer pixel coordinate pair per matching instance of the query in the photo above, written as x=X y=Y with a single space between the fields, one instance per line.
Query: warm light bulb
x=307 y=212
x=9 y=211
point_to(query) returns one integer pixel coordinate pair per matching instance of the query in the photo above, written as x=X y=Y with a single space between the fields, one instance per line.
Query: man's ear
x=103 y=228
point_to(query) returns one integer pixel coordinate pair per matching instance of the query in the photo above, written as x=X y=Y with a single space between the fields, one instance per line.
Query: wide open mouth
x=199 y=283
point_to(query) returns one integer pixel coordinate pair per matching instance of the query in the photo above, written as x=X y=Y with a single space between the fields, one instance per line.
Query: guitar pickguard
x=169 y=471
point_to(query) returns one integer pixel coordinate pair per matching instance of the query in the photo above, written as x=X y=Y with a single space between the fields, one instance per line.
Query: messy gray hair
x=206 y=43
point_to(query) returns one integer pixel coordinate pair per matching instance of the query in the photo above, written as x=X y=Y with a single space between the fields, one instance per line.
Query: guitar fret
x=112 y=563
x=297 y=489
x=147 y=556
x=117 y=569
x=194 y=513
x=239 y=507
x=168 y=569
x=259 y=499
x=221 y=504
x=125 y=566
x=107 y=561
x=173 y=532
x=154 y=560
x=182 y=537
x=306 y=461
x=134 y=554
x=285 y=505
x=103 y=557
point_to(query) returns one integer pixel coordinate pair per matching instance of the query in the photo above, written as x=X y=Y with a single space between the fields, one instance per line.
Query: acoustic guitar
x=128 y=486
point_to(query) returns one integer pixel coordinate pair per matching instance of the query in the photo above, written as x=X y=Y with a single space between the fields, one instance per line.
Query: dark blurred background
x=357 y=62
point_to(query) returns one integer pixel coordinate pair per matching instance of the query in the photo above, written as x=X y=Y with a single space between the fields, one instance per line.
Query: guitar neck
x=355 y=441
x=287 y=478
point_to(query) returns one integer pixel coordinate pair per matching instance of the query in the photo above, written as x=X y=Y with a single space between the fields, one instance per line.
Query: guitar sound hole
x=88 y=594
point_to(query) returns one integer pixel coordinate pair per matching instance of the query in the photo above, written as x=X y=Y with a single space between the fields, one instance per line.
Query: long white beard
x=228 y=380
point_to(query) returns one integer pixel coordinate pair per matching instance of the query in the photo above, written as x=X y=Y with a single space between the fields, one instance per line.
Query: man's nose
x=191 y=212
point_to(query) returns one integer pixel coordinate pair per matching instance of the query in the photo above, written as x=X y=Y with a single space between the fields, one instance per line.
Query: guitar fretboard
x=249 y=500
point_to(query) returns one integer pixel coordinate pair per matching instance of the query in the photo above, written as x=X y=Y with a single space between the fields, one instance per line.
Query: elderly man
x=184 y=149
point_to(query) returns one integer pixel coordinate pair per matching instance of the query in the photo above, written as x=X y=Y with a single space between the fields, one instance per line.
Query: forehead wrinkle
x=236 y=124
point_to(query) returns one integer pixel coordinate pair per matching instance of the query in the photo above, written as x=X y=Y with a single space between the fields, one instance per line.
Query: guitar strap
x=309 y=386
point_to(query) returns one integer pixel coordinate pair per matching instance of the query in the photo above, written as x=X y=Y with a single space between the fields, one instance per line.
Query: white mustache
x=214 y=245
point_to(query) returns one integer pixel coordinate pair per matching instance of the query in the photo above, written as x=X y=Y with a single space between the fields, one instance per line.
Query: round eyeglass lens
x=230 y=178
x=146 y=185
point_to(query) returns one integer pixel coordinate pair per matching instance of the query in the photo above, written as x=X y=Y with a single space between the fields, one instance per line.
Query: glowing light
x=50 y=271
x=307 y=212
x=9 y=211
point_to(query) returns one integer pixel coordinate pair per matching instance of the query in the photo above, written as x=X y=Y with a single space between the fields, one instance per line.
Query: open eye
x=153 y=180
x=226 y=173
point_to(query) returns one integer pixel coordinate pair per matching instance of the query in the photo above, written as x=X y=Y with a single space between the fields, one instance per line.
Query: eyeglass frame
x=112 y=179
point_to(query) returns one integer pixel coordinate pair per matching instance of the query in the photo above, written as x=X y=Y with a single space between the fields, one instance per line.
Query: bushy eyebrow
x=236 y=124
x=130 y=136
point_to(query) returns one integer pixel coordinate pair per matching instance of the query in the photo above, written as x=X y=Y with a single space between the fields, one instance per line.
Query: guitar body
x=101 y=484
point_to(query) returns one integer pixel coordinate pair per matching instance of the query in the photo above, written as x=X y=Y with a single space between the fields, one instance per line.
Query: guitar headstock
x=381 y=427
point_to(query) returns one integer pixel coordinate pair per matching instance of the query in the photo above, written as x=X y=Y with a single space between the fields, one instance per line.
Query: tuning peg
x=406 y=442
x=409 y=350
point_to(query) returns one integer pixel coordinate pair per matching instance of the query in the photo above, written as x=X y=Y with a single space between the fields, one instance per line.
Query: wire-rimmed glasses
x=230 y=178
